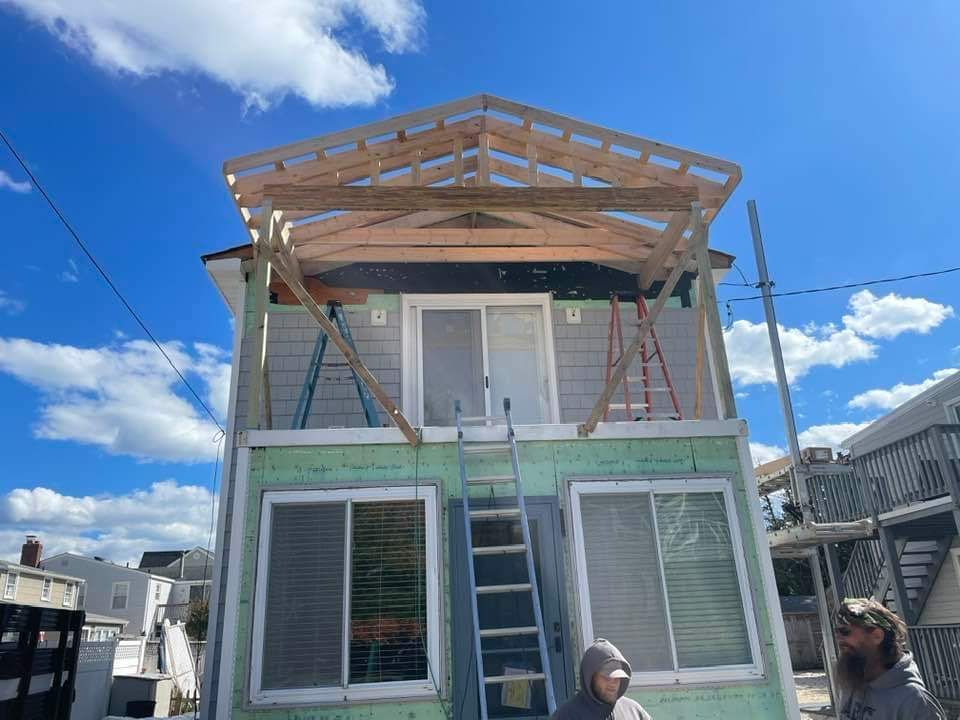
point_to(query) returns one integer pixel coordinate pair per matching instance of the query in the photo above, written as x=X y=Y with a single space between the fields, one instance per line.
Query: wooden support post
x=892 y=558
x=628 y=357
x=267 y=402
x=576 y=172
x=458 y=161
x=533 y=166
x=375 y=171
x=708 y=298
x=261 y=301
x=353 y=360
x=483 y=160
x=701 y=341
x=415 y=169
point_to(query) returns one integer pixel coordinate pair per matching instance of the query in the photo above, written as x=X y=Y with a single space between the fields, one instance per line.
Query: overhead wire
x=103 y=273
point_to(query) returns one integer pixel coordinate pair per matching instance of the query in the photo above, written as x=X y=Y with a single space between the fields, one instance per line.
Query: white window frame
x=678 y=676
x=46 y=590
x=113 y=594
x=343 y=692
x=156 y=592
x=411 y=350
x=69 y=592
x=7 y=593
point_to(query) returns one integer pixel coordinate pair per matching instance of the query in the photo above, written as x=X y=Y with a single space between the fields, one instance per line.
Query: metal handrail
x=936 y=649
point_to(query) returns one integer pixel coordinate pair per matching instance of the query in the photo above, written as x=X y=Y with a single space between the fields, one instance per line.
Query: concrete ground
x=812 y=690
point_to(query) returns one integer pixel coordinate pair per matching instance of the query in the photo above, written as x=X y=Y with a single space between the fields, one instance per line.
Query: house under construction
x=392 y=534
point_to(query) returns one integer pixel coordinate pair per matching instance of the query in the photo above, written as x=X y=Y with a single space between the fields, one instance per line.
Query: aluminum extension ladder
x=528 y=584
x=336 y=314
x=648 y=360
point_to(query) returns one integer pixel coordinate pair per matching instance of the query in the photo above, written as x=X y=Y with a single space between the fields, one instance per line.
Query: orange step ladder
x=644 y=410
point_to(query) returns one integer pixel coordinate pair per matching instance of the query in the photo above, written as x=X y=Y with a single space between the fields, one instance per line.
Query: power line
x=864 y=283
x=103 y=273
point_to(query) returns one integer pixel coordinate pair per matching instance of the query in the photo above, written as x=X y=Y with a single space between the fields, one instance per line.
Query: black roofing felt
x=567 y=281
x=160 y=558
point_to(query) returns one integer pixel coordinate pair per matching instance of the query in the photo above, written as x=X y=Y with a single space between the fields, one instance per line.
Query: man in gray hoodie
x=876 y=677
x=604 y=677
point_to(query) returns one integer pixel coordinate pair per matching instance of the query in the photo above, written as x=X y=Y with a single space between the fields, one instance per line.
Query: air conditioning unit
x=816 y=455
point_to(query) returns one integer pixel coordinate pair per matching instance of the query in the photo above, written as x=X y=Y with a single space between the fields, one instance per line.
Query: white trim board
x=654 y=429
x=945 y=501
x=579 y=487
x=361 y=691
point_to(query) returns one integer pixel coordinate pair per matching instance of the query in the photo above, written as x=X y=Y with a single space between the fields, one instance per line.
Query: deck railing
x=920 y=467
x=863 y=570
x=835 y=494
x=937 y=651
x=917 y=468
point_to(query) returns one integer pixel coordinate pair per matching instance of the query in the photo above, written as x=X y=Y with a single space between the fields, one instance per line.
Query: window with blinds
x=346 y=604
x=660 y=576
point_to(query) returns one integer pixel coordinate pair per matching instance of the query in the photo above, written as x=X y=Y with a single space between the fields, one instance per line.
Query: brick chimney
x=31 y=551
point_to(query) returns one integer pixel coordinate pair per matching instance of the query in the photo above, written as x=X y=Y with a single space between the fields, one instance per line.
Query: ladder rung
x=663 y=416
x=485 y=448
x=623 y=406
x=497 y=679
x=496 y=513
x=507 y=632
x=490 y=479
x=647 y=389
x=496 y=589
x=499 y=549
x=484 y=418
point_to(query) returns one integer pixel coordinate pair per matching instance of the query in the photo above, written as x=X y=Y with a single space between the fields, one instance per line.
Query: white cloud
x=124 y=398
x=11 y=306
x=262 y=50
x=71 y=274
x=830 y=435
x=891 y=315
x=761 y=453
x=10 y=184
x=117 y=527
x=889 y=398
x=751 y=363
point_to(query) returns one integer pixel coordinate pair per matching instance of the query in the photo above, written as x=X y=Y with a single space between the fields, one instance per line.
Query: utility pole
x=799 y=470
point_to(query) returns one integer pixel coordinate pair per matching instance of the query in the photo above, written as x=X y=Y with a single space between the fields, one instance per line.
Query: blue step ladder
x=337 y=316
x=523 y=585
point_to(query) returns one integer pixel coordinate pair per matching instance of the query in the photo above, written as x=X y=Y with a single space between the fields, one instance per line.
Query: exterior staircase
x=867 y=574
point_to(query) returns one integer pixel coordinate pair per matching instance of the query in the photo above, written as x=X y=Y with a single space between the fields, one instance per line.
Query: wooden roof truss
x=478 y=180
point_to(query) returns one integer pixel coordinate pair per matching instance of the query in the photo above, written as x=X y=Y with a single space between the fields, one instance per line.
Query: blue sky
x=842 y=117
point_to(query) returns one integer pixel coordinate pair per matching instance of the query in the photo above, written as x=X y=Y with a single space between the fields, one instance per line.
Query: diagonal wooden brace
x=631 y=352
x=295 y=282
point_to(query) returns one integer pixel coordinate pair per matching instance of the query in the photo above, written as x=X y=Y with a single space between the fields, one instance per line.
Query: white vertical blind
x=706 y=608
x=626 y=596
x=304 y=609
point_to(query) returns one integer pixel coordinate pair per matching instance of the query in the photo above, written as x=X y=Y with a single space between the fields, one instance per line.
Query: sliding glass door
x=479 y=350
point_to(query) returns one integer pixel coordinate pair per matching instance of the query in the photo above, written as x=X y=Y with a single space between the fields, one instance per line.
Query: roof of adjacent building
x=95 y=619
x=160 y=558
x=897 y=413
x=29 y=569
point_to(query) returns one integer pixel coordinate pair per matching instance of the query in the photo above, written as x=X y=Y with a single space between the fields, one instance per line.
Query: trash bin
x=140 y=708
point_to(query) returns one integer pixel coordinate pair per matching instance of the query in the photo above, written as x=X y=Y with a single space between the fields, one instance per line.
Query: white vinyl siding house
x=27 y=585
x=114 y=590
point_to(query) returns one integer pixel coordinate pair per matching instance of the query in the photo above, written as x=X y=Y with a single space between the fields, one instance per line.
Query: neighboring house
x=340 y=585
x=118 y=591
x=102 y=627
x=25 y=583
x=898 y=500
x=191 y=570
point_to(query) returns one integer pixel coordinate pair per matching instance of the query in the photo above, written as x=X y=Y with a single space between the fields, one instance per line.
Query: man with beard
x=876 y=677
x=604 y=677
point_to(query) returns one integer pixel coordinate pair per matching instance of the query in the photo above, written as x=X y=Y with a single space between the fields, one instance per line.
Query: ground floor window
x=347 y=596
x=661 y=574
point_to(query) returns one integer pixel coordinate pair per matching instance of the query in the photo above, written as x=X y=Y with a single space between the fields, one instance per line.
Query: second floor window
x=121 y=593
x=10 y=586
x=68 y=591
x=47 y=590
